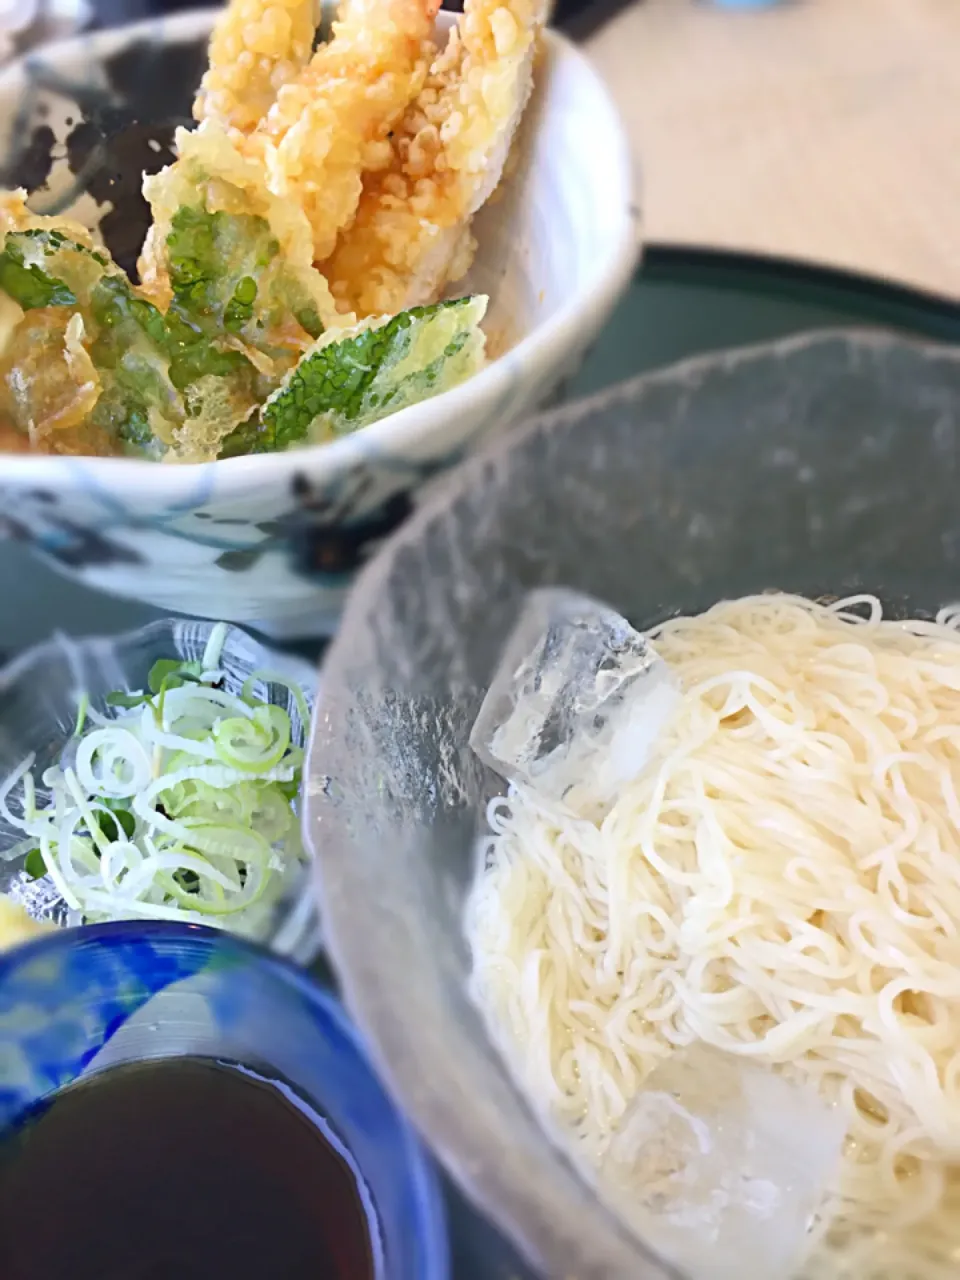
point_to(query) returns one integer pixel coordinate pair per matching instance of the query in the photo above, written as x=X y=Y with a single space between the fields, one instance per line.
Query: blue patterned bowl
x=276 y=539
x=82 y=1000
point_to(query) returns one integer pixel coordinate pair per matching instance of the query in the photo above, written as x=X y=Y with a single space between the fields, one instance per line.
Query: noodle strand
x=781 y=881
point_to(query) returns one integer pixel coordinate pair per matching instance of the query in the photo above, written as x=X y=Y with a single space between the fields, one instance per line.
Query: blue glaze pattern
x=81 y=1000
x=59 y=1005
x=276 y=540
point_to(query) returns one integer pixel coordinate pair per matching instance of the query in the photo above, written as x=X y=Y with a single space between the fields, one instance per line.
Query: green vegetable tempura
x=351 y=378
x=230 y=356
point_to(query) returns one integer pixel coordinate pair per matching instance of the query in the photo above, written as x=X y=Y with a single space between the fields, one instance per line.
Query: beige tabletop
x=827 y=130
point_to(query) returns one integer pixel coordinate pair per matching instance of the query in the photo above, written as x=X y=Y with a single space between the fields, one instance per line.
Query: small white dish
x=276 y=539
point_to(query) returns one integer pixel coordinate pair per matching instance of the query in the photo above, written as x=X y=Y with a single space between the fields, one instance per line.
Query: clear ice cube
x=720 y=1165
x=40 y=898
x=576 y=703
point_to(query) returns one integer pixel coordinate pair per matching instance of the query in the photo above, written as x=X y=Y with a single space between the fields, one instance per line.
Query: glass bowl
x=824 y=464
x=38 y=712
x=80 y=1000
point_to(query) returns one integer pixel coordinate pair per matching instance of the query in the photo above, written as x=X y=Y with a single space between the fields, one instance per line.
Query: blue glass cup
x=80 y=1000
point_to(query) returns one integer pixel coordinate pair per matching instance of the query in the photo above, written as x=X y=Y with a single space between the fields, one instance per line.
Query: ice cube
x=720 y=1165
x=576 y=703
x=40 y=898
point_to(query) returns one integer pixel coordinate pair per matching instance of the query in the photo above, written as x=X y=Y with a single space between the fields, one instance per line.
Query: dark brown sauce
x=179 y=1169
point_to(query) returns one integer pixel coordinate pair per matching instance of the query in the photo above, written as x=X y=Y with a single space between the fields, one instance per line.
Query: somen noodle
x=780 y=881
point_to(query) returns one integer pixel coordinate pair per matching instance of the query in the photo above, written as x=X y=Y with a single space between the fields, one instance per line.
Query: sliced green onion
x=34 y=865
x=177 y=804
x=255 y=745
x=169 y=673
x=19 y=774
x=275 y=677
x=83 y=706
x=214 y=649
x=126 y=700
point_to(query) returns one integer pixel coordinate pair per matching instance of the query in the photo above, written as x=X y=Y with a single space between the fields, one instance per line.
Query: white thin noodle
x=781 y=881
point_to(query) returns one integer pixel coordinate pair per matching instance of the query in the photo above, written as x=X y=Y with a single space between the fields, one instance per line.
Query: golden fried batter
x=411 y=234
x=331 y=124
x=255 y=49
x=211 y=167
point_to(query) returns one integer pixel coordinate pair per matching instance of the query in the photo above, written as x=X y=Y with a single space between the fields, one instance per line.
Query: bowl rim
x=421 y=1171
x=405 y=429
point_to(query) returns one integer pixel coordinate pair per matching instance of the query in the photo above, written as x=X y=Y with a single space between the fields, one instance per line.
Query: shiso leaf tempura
x=178 y=803
x=351 y=377
x=292 y=283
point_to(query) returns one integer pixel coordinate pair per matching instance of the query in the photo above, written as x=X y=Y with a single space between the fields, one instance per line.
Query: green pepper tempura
x=224 y=351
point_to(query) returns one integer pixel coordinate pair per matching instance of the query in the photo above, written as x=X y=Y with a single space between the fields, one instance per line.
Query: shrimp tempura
x=255 y=48
x=411 y=234
x=331 y=125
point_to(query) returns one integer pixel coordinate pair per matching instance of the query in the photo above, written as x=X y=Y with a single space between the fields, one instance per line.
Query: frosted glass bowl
x=821 y=464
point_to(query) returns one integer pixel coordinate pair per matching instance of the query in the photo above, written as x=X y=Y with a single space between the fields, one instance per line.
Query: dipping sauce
x=181 y=1169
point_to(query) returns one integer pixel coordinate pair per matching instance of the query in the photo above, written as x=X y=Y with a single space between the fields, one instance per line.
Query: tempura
x=291 y=284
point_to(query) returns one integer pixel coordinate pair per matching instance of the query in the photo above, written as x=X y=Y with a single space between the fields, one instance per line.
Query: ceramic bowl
x=275 y=540
x=825 y=464
x=38 y=713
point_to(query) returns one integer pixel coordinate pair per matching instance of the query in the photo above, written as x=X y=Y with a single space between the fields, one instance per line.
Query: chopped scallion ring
x=177 y=803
